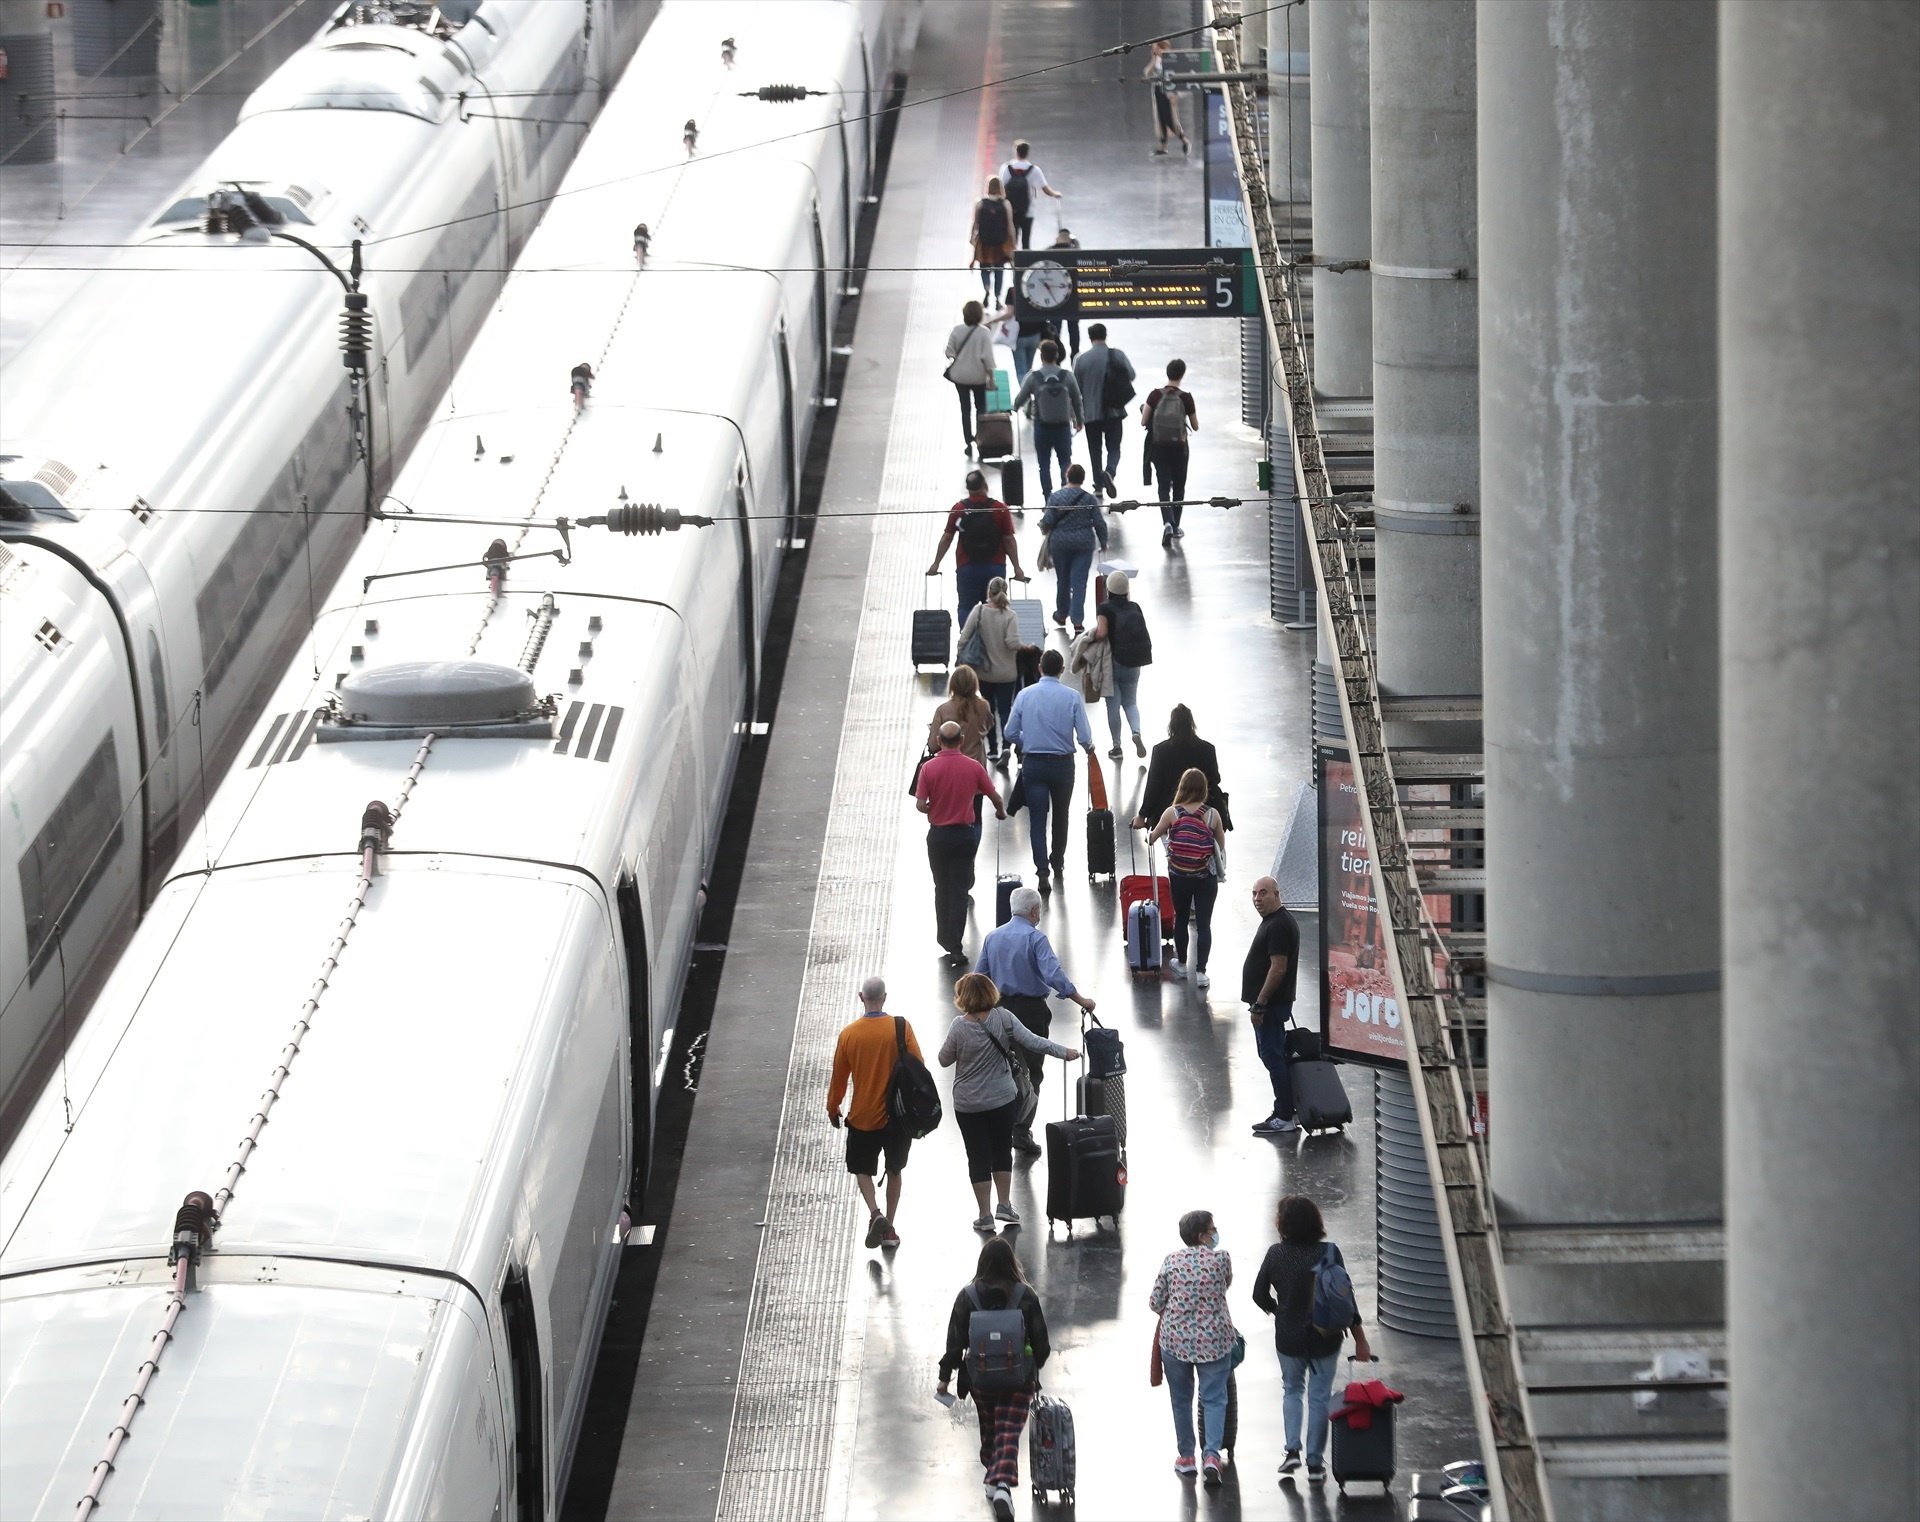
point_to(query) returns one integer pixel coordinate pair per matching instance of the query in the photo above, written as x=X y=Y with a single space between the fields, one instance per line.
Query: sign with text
x=1359 y=1015
x=1096 y=283
x=1226 y=212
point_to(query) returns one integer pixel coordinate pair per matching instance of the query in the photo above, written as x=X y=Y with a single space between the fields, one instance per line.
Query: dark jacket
x=1169 y=759
x=993 y=1296
x=1284 y=1290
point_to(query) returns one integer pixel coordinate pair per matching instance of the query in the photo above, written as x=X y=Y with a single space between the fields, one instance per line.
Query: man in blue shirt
x=1020 y=960
x=1047 y=719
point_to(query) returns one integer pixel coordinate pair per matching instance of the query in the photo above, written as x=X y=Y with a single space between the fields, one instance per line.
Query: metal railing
x=1435 y=1018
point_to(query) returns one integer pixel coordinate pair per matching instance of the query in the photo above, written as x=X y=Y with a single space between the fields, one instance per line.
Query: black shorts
x=864 y=1148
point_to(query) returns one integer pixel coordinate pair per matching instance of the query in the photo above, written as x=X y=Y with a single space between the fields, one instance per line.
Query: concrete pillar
x=1342 y=210
x=1289 y=107
x=28 y=131
x=1599 y=438
x=1425 y=346
x=1820 y=599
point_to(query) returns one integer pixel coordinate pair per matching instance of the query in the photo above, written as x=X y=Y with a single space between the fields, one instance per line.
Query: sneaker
x=1166 y=537
x=1024 y=1144
x=1185 y=1467
x=1289 y=1463
x=1002 y=1504
x=1201 y=980
x=1273 y=1125
x=984 y=1225
x=1174 y=967
x=1161 y=153
x=1316 y=1474
x=1186 y=145
x=1004 y=1211
x=1043 y=883
x=1140 y=745
x=1116 y=753
x=1059 y=864
x=876 y=1229
x=1210 y=1468
x=1078 y=630
x=1179 y=533
x=1059 y=620
x=890 y=1238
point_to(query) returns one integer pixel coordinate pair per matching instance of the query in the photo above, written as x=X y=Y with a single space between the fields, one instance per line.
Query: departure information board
x=1087 y=283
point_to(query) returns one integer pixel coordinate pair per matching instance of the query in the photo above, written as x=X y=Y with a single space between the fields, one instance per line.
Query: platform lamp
x=247 y=215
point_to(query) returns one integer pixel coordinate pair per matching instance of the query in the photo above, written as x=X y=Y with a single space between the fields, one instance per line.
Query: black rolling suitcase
x=1319 y=1098
x=1004 y=885
x=1363 y=1453
x=1086 y=1172
x=1013 y=482
x=932 y=636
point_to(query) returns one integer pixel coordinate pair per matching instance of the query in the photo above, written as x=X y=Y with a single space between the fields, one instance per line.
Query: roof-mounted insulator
x=192 y=1227
x=376 y=829
x=496 y=560
x=659 y=446
x=356 y=332
x=690 y=135
x=784 y=93
x=647 y=518
x=642 y=240
x=479 y=447
x=726 y=51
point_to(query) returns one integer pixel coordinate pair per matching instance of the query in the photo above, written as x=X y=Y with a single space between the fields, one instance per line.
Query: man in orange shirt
x=865 y=1054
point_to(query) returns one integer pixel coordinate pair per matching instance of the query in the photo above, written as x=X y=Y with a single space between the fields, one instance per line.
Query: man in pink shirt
x=949 y=791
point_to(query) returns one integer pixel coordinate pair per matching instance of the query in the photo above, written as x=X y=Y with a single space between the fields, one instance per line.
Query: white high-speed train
x=179 y=472
x=450 y=1065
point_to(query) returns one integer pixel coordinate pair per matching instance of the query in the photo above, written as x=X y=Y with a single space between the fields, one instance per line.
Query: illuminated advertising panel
x=1359 y=1015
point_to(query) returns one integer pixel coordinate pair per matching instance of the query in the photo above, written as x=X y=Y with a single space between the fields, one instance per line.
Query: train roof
x=361 y=1347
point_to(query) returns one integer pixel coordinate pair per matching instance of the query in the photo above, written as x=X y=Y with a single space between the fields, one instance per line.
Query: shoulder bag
x=1025 y=1100
x=1044 y=561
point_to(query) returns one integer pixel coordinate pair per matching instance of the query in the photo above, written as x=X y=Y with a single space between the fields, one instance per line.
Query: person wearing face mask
x=1195 y=1339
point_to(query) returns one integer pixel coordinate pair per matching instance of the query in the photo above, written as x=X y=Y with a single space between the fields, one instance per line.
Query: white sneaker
x=1001 y=1502
x=1201 y=980
x=1174 y=967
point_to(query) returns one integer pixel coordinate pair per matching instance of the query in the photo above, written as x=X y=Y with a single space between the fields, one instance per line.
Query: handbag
x=1044 y=560
x=913 y=787
x=1219 y=802
x=948 y=372
x=1156 y=1370
x=1025 y=1100
x=973 y=649
x=1238 y=1354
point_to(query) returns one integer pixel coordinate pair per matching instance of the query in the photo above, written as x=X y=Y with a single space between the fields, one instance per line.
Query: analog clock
x=1046 y=284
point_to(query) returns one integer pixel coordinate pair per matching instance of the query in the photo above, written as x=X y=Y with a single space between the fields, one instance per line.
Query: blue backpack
x=1334 y=1307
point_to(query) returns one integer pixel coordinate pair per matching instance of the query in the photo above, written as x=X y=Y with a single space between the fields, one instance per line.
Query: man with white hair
x=1020 y=960
x=865 y=1054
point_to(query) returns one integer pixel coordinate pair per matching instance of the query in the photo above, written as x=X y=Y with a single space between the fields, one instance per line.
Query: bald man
x=864 y=1055
x=1266 y=984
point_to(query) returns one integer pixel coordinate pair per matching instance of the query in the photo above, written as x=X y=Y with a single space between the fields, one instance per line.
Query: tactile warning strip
x=780 y=1445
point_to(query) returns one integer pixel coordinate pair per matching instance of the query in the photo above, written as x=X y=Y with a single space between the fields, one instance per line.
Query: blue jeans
x=1000 y=695
x=1125 y=695
x=1024 y=348
x=1047 y=782
x=1070 y=571
x=970 y=584
x=1312 y=1377
x=1213 y=1402
x=1050 y=439
x=1104 y=432
x=1270 y=1041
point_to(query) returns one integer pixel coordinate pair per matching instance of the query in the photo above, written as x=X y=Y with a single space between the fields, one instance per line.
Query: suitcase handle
x=930 y=576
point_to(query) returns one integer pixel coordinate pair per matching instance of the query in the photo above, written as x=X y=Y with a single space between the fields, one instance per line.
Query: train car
x=185 y=462
x=409 y=1048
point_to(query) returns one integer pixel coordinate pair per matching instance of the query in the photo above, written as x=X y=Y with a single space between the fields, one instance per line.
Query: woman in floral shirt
x=1196 y=1337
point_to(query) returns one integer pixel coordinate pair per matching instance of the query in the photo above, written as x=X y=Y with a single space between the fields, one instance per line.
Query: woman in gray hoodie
x=980 y=1049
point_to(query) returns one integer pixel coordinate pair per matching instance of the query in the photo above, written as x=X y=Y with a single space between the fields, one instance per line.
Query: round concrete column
x=1599 y=433
x=1425 y=346
x=1820 y=592
x=1289 y=107
x=1342 y=211
x=28 y=131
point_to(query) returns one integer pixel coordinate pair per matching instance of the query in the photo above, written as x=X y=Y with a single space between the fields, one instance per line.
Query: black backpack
x=913 y=1098
x=990 y=223
x=1116 y=389
x=999 y=1358
x=980 y=536
x=1018 y=191
x=1132 y=646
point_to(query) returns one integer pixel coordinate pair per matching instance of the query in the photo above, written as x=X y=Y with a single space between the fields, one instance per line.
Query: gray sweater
x=981 y=1078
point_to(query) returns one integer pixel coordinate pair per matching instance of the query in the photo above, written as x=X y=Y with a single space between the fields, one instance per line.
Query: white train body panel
x=471 y=1105
x=191 y=408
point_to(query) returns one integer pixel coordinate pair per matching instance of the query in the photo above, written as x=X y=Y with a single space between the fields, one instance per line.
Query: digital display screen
x=1135 y=282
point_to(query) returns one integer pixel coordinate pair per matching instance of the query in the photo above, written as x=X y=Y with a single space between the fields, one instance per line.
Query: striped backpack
x=1190 y=841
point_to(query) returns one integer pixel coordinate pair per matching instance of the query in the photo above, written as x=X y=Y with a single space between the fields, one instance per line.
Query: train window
x=523 y=1352
x=71 y=853
x=31 y=502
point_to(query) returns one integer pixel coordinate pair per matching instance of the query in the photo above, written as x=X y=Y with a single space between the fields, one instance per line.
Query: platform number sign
x=1090 y=283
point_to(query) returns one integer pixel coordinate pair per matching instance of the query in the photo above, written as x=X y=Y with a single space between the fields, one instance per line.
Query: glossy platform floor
x=786 y=1372
x=126 y=144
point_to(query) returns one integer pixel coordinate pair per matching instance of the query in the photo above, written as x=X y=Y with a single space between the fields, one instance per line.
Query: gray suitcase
x=1051 y=1458
x=1032 y=613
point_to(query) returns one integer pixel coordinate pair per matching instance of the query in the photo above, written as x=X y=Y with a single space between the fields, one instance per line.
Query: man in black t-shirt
x=1267 y=983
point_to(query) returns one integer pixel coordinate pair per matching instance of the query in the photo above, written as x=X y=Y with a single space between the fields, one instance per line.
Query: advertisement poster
x=1359 y=1015
x=1226 y=213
